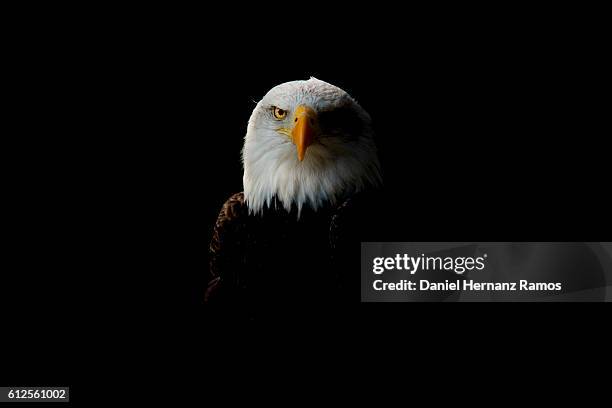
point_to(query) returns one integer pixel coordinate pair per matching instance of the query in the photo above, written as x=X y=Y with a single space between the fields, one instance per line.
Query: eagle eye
x=279 y=114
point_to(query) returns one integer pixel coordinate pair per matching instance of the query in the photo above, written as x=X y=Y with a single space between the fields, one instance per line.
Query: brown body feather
x=274 y=257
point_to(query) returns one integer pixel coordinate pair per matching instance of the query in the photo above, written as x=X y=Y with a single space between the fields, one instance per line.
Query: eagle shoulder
x=355 y=220
x=226 y=244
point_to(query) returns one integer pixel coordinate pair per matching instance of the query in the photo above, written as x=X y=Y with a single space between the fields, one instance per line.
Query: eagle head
x=308 y=143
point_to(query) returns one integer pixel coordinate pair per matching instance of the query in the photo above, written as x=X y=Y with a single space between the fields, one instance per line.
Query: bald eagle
x=310 y=169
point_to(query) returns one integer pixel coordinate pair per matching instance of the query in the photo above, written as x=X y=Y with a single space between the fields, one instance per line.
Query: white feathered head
x=308 y=143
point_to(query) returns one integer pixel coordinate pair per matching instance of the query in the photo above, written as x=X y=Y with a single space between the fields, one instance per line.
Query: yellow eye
x=279 y=114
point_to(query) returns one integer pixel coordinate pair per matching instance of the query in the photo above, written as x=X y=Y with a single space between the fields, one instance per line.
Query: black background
x=127 y=142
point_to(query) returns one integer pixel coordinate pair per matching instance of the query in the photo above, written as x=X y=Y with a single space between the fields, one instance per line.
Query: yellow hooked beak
x=305 y=123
